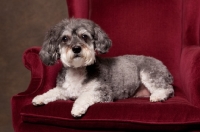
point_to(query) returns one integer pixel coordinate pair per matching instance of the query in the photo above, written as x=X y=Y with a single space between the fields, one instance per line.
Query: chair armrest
x=42 y=77
x=33 y=63
x=190 y=73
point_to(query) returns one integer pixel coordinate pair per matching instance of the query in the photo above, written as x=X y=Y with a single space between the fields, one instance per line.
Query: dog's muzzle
x=76 y=49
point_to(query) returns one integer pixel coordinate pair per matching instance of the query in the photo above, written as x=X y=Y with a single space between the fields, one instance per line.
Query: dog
x=87 y=78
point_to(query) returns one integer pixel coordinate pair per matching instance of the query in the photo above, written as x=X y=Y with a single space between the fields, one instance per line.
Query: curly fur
x=89 y=79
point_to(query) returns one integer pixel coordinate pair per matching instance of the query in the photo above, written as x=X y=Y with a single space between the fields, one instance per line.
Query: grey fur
x=120 y=76
x=112 y=78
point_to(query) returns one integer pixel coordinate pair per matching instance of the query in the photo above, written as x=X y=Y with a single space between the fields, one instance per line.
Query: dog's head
x=74 y=41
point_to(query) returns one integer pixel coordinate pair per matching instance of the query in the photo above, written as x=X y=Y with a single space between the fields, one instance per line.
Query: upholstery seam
x=107 y=120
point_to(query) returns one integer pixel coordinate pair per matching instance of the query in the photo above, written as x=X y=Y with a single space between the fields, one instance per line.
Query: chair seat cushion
x=134 y=113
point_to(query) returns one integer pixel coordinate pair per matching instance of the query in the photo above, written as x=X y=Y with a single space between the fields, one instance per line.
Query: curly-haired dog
x=90 y=79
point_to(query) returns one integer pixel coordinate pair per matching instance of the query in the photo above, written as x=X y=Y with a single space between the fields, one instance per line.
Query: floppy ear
x=102 y=41
x=49 y=53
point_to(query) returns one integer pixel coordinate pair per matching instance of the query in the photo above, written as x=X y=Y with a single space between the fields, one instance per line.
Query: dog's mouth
x=76 y=56
x=77 y=61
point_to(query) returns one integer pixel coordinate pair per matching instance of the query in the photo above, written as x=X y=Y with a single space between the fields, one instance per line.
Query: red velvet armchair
x=168 y=30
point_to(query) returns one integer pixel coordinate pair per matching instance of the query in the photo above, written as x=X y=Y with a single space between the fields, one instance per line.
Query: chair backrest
x=156 y=28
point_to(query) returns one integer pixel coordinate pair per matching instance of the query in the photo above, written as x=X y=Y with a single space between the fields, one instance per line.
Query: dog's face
x=74 y=41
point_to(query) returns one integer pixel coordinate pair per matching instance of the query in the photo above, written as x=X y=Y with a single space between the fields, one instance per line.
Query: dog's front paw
x=38 y=100
x=78 y=111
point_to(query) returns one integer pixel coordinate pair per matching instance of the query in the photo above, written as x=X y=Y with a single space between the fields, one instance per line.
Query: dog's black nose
x=76 y=49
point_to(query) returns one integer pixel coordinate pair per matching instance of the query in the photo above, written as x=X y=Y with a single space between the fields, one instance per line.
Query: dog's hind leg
x=158 y=84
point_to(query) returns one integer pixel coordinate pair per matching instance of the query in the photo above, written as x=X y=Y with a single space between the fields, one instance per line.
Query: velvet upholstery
x=165 y=29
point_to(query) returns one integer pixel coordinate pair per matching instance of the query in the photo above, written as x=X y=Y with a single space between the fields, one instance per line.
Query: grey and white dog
x=89 y=79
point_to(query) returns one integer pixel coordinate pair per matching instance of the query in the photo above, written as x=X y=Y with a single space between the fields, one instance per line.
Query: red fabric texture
x=175 y=114
x=190 y=65
x=78 y=8
x=165 y=29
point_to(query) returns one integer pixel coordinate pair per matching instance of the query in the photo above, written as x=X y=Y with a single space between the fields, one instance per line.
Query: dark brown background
x=22 y=25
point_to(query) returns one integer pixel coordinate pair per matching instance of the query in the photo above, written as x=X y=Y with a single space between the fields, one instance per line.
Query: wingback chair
x=168 y=30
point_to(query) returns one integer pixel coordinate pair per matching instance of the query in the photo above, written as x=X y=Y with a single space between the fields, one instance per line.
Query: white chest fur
x=73 y=84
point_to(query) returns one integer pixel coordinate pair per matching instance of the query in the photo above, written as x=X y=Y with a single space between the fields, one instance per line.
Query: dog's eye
x=84 y=37
x=65 y=38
